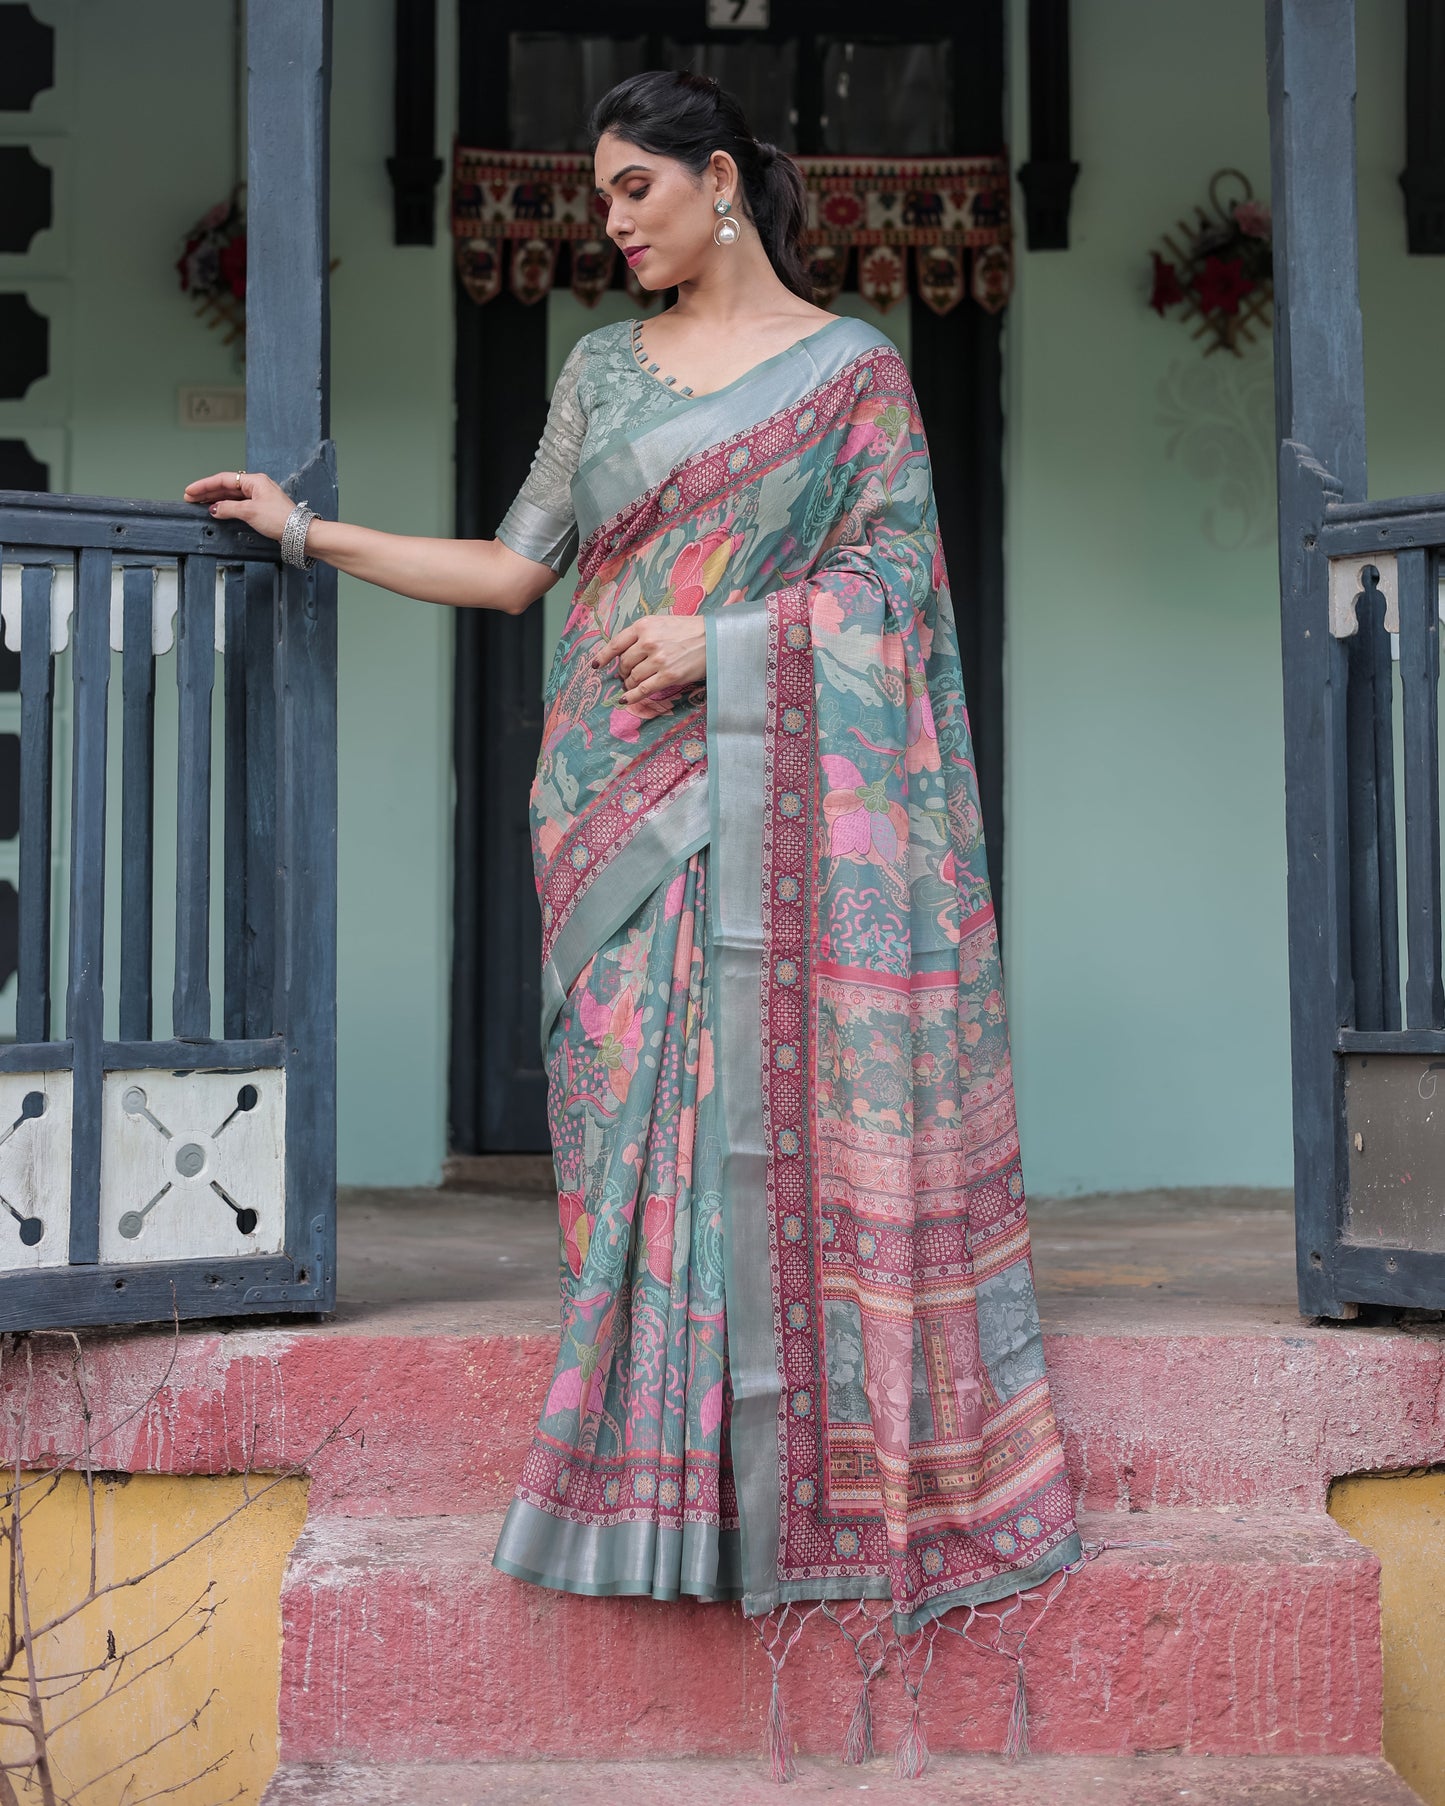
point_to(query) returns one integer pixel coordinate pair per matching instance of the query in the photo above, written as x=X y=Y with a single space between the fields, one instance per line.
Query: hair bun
x=768 y=154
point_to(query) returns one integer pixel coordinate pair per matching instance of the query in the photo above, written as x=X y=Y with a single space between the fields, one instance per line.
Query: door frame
x=497 y=1084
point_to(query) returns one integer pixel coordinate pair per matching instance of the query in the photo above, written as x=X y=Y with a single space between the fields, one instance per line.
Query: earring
x=725 y=231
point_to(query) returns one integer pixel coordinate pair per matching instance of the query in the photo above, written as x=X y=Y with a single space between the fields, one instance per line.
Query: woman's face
x=659 y=214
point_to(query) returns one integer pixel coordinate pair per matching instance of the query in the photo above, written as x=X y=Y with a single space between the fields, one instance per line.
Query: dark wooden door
x=818 y=79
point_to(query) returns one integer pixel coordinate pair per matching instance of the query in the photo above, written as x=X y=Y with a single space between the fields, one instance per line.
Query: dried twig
x=32 y=1690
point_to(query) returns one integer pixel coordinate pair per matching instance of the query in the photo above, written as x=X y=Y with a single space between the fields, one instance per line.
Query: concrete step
x=950 y=1781
x=433 y=1423
x=1203 y=1632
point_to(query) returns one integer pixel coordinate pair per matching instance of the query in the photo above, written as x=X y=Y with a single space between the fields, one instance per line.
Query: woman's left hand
x=257 y=499
x=657 y=652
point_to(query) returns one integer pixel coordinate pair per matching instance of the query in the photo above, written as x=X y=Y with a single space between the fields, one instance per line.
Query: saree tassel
x=912 y=1757
x=778 y=1632
x=859 y=1744
x=912 y=1754
x=780 y=1746
x=864 y=1630
x=1016 y=1743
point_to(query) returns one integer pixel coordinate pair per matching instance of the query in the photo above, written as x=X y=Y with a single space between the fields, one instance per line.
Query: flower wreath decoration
x=1219 y=268
x=212 y=266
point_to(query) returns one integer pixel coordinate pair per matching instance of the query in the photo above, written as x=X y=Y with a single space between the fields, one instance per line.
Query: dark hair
x=674 y=113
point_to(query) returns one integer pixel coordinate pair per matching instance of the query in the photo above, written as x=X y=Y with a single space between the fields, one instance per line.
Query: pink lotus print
x=862 y=823
x=922 y=753
x=658 y=1215
x=617 y=1029
x=698 y=567
x=576 y=1228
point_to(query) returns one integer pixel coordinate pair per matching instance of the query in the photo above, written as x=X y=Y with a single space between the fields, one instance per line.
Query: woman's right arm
x=462 y=573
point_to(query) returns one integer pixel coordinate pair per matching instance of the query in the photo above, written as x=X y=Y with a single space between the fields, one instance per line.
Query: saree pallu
x=800 y=1353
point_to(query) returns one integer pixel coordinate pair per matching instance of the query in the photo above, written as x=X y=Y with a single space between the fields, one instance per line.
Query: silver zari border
x=737 y=670
x=535 y=533
x=641 y=1558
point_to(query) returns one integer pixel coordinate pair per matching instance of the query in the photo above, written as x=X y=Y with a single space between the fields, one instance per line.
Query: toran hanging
x=951 y=212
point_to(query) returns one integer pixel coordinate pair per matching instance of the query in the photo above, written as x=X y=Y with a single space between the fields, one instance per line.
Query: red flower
x=233 y=266
x=1167 y=287
x=1222 y=285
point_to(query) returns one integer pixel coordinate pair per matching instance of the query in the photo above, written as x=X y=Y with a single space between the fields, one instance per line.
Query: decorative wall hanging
x=212 y=267
x=1219 y=268
x=952 y=212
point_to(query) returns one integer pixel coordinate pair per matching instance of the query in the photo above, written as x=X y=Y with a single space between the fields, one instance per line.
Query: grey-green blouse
x=601 y=390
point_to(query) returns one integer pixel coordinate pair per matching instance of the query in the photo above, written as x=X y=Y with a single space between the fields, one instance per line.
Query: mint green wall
x=139 y=130
x=1146 y=954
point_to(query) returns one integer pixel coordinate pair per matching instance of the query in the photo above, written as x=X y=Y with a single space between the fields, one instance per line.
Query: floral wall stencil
x=1219 y=416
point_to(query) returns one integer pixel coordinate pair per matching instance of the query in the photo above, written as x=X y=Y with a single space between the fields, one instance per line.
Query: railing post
x=1320 y=418
x=137 y=802
x=1420 y=706
x=287 y=428
x=37 y=714
x=84 y=998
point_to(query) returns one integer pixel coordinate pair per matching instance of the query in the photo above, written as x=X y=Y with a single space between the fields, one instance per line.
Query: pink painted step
x=1214 y=1633
x=950 y=1781
x=435 y=1423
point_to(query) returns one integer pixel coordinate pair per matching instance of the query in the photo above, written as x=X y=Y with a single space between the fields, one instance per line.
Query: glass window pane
x=554 y=81
x=762 y=77
x=887 y=100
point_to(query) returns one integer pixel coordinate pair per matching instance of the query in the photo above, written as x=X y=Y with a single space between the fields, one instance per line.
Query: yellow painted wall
x=1401 y=1517
x=235 y=1663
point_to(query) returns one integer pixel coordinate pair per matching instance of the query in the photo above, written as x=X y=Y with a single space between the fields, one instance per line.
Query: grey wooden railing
x=188 y=1167
x=185 y=1165
x=1356 y=578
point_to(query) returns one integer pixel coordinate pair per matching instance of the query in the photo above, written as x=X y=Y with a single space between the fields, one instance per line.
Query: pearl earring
x=725 y=231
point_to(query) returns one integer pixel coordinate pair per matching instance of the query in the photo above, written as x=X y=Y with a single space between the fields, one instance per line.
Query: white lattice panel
x=34 y=1170
x=191 y=1165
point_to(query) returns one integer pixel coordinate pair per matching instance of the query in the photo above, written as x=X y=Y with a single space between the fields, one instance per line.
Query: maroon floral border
x=598 y=836
x=814 y=1543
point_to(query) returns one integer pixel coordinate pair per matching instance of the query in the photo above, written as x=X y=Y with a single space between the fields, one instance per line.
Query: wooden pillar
x=287 y=436
x=1318 y=338
x=1320 y=417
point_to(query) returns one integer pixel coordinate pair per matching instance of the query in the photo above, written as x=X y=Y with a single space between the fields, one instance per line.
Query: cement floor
x=465 y=1261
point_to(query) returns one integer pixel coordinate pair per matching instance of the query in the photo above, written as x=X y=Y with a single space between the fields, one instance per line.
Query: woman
x=800 y=1351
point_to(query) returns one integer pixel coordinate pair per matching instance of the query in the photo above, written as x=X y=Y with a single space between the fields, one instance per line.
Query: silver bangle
x=293 y=537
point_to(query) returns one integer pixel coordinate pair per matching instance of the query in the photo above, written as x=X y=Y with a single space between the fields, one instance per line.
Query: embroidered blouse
x=600 y=390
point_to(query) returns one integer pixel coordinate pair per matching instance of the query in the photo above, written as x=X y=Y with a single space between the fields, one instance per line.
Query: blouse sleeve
x=540 y=523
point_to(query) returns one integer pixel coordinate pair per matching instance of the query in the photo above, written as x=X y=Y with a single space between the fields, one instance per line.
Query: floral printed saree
x=800 y=1354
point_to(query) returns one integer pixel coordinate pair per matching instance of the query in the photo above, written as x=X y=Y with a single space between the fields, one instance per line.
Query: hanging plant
x=1219 y=269
x=212 y=267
